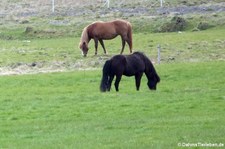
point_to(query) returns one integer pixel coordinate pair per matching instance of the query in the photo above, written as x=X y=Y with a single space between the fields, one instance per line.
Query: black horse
x=129 y=65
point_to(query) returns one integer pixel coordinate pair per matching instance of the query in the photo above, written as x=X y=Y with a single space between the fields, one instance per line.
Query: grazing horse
x=100 y=31
x=129 y=65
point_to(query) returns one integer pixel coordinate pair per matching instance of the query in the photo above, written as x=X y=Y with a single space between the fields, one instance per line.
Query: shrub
x=176 y=24
x=203 y=26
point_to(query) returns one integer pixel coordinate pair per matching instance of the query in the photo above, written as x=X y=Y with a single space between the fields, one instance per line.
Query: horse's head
x=84 y=48
x=153 y=82
x=84 y=42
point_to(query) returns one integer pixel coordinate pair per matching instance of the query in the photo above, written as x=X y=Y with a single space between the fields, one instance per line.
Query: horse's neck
x=150 y=70
x=85 y=37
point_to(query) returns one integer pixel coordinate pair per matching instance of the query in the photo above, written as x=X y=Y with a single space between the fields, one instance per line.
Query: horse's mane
x=84 y=37
x=148 y=63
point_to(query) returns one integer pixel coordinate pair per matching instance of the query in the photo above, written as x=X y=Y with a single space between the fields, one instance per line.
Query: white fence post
x=107 y=3
x=161 y=3
x=53 y=6
x=159 y=50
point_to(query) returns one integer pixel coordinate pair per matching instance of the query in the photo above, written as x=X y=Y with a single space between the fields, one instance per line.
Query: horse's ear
x=84 y=44
x=81 y=45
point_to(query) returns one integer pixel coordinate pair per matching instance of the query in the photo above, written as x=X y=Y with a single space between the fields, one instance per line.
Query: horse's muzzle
x=153 y=88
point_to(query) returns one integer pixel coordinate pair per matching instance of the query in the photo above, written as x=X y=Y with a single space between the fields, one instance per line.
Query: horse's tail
x=129 y=35
x=105 y=76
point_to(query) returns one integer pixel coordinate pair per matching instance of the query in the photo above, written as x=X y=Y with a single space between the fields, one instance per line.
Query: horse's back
x=135 y=64
x=128 y=65
x=118 y=60
x=122 y=26
x=119 y=26
x=102 y=30
x=118 y=64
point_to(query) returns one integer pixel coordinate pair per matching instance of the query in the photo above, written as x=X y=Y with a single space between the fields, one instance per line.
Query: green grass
x=186 y=46
x=67 y=110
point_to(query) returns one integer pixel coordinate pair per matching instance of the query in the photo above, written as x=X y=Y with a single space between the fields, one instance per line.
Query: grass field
x=66 y=110
x=180 y=47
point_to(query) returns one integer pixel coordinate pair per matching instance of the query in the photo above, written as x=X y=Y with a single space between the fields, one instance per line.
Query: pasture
x=50 y=96
x=67 y=110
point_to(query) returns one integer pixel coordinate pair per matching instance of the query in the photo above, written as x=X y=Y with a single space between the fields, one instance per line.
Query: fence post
x=161 y=3
x=159 y=50
x=107 y=3
x=53 y=6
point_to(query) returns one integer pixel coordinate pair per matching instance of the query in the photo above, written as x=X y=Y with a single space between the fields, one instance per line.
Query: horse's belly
x=128 y=74
x=133 y=67
x=108 y=37
x=105 y=33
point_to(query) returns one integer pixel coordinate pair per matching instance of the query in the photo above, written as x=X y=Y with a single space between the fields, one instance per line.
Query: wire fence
x=71 y=3
x=25 y=7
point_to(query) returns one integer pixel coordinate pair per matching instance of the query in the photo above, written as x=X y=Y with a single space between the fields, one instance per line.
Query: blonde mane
x=84 y=37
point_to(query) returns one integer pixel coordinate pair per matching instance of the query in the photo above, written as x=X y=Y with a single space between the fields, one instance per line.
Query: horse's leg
x=130 y=44
x=96 y=45
x=123 y=44
x=118 y=78
x=110 y=82
x=103 y=46
x=138 y=80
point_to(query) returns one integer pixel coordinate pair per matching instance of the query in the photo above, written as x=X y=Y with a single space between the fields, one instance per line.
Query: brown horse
x=100 y=31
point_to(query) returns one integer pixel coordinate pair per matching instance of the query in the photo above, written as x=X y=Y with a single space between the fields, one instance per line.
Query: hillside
x=75 y=15
x=34 y=39
x=22 y=8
